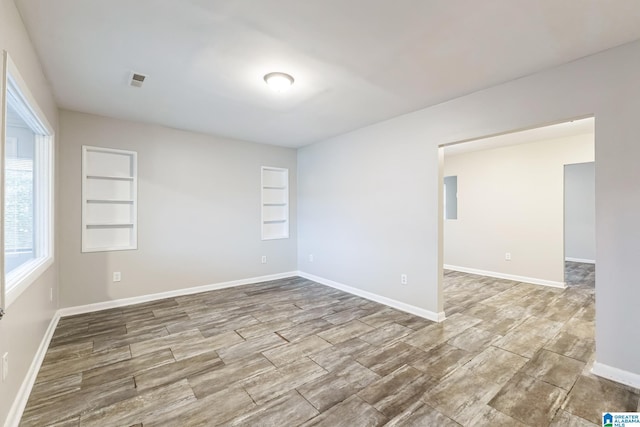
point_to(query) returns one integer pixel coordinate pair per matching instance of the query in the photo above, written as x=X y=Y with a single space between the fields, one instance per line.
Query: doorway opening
x=520 y=212
x=580 y=225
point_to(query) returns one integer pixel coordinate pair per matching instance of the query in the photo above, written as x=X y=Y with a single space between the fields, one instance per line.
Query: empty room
x=267 y=213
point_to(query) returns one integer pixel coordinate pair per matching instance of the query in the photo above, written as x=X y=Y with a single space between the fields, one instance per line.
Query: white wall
x=198 y=211
x=368 y=200
x=510 y=199
x=26 y=321
x=580 y=212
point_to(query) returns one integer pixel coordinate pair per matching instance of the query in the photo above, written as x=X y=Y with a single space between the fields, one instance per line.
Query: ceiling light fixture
x=279 y=82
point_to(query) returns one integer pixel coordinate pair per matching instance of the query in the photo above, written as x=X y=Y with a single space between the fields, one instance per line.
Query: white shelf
x=113 y=178
x=110 y=224
x=275 y=203
x=109 y=199
x=110 y=249
x=276 y=237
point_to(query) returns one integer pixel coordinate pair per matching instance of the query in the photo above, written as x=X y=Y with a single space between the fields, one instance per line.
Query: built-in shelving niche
x=275 y=203
x=109 y=199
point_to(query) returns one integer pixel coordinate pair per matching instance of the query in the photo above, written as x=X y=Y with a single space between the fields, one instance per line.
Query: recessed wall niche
x=109 y=199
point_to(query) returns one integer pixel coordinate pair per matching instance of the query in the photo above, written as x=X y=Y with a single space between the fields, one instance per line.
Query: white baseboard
x=69 y=311
x=20 y=401
x=615 y=374
x=582 y=260
x=505 y=276
x=427 y=314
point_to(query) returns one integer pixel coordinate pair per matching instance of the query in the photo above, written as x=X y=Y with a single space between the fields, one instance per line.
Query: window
x=18 y=193
x=27 y=188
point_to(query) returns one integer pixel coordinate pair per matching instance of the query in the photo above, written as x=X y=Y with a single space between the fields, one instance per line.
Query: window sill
x=22 y=277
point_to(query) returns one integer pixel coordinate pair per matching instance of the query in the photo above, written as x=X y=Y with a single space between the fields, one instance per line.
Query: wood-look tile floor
x=580 y=274
x=293 y=352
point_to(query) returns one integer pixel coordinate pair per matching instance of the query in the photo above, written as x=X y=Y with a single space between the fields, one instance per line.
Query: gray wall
x=511 y=201
x=198 y=211
x=26 y=321
x=451 y=197
x=365 y=215
x=580 y=211
x=368 y=200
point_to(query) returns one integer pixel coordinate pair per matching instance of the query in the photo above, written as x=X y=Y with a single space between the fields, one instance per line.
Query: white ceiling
x=355 y=62
x=545 y=133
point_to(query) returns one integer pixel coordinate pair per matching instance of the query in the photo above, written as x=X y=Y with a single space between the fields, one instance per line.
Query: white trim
x=69 y=311
x=16 y=282
x=582 y=260
x=615 y=374
x=412 y=309
x=24 y=276
x=20 y=402
x=505 y=276
x=17 y=408
x=28 y=98
x=3 y=136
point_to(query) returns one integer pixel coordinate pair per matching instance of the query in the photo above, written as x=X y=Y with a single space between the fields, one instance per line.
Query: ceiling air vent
x=137 y=79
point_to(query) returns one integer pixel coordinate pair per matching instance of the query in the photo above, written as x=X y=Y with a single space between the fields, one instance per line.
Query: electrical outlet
x=403 y=279
x=117 y=276
x=310 y=257
x=264 y=259
x=51 y=294
x=507 y=256
x=5 y=366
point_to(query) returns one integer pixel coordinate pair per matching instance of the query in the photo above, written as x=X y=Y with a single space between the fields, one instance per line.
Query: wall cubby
x=275 y=203
x=109 y=199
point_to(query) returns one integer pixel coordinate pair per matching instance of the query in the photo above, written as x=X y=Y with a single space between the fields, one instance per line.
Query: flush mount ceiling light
x=279 y=82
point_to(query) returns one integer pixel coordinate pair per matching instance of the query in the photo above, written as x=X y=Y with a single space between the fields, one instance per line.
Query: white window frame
x=15 y=283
